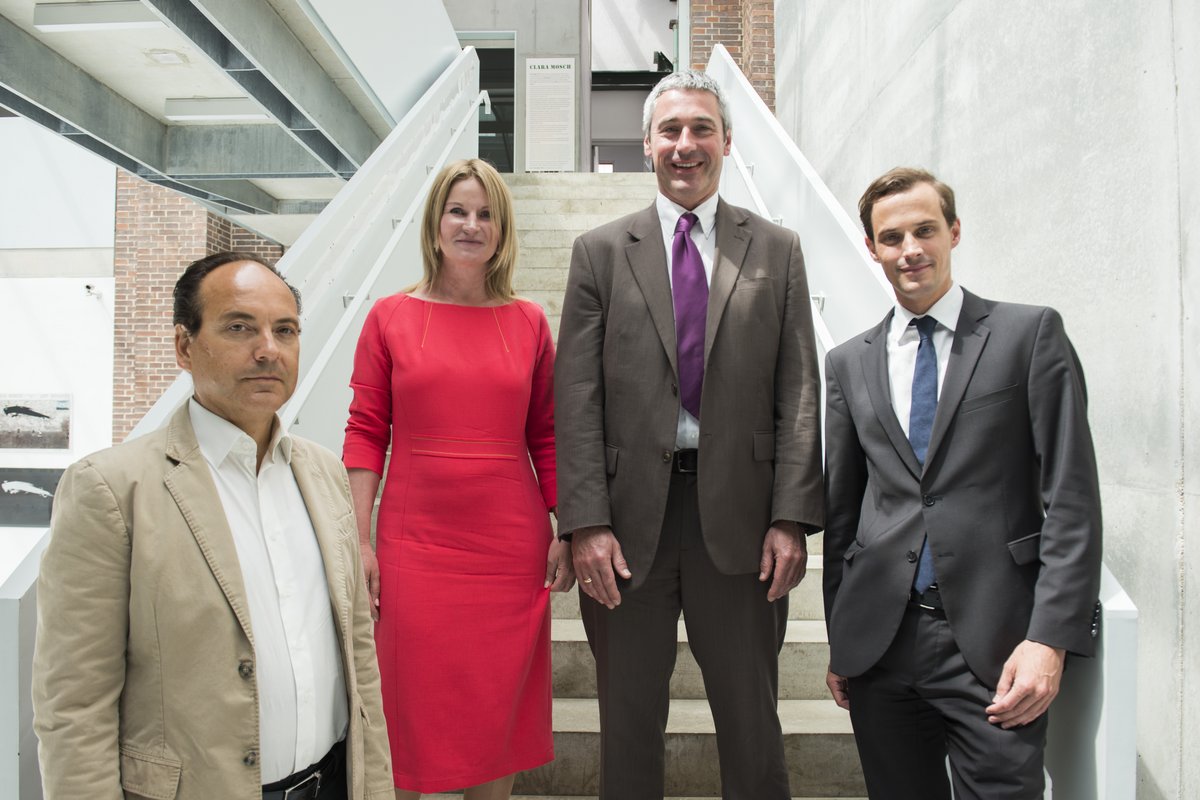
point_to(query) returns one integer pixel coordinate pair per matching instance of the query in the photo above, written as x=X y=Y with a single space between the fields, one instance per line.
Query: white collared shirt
x=902 y=343
x=298 y=665
x=704 y=234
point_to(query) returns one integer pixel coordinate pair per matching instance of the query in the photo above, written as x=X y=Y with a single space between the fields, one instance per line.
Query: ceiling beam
x=51 y=86
x=237 y=151
x=255 y=47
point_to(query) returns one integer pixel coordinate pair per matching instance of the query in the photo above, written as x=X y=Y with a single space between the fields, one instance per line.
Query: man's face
x=243 y=358
x=912 y=244
x=687 y=144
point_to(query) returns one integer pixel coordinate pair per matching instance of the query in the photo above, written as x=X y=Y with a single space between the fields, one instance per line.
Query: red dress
x=465 y=395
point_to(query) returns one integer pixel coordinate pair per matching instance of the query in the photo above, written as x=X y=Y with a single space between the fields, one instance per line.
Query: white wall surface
x=625 y=34
x=544 y=29
x=58 y=339
x=53 y=194
x=1068 y=131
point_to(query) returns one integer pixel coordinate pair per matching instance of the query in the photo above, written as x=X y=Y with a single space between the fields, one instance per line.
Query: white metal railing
x=362 y=245
x=1091 y=747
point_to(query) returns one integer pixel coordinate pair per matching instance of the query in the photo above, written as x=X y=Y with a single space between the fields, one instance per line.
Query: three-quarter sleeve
x=369 y=429
x=539 y=423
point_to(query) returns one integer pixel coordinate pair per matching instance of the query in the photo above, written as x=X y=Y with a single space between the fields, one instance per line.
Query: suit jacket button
x=928 y=500
x=911 y=555
x=246 y=668
x=251 y=758
x=666 y=456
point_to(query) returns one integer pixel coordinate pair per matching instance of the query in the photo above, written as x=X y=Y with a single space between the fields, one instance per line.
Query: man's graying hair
x=688 y=79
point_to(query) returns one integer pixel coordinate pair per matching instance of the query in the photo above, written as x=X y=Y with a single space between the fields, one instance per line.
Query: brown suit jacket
x=143 y=674
x=617 y=397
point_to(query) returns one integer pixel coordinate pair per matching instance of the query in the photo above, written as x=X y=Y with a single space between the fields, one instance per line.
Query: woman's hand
x=560 y=573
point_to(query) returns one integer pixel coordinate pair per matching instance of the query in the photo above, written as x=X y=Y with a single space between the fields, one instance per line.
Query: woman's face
x=466 y=234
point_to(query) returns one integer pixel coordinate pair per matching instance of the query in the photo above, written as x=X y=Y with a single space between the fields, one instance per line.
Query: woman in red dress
x=456 y=374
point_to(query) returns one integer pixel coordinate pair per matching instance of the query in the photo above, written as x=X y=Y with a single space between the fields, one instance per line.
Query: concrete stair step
x=819 y=745
x=581 y=202
x=551 y=258
x=805 y=601
x=629 y=180
x=554 y=221
x=559 y=237
x=596 y=191
x=802 y=663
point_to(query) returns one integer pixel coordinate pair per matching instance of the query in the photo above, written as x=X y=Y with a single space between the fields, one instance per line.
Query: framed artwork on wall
x=35 y=422
x=26 y=496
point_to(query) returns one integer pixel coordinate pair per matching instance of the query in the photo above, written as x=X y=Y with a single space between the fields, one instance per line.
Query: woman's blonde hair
x=499 y=277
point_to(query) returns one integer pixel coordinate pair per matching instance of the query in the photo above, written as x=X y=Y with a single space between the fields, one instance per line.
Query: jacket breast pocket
x=1003 y=395
x=1027 y=549
x=149 y=776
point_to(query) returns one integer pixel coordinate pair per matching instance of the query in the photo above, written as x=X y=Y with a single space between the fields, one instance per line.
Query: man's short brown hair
x=895 y=181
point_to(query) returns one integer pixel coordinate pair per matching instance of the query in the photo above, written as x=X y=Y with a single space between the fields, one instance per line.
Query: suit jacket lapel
x=875 y=373
x=648 y=260
x=315 y=492
x=970 y=336
x=191 y=485
x=732 y=242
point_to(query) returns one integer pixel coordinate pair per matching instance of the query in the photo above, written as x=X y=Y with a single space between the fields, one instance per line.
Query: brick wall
x=158 y=233
x=747 y=29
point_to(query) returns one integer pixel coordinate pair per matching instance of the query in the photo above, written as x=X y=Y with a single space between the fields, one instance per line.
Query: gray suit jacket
x=1008 y=495
x=143 y=676
x=617 y=397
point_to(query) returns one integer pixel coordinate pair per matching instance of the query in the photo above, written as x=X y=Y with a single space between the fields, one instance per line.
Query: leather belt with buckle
x=306 y=784
x=930 y=601
x=684 y=462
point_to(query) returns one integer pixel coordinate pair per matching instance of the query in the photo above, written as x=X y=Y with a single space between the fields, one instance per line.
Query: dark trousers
x=735 y=635
x=921 y=703
x=333 y=778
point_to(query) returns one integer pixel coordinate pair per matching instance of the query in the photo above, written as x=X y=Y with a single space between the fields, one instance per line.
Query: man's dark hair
x=187 y=288
x=895 y=181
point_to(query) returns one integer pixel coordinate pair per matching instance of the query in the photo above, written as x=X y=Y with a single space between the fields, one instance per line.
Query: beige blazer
x=143 y=679
x=617 y=396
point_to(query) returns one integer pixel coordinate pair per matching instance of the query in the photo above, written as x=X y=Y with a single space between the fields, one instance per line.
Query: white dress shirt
x=301 y=687
x=903 y=341
x=704 y=234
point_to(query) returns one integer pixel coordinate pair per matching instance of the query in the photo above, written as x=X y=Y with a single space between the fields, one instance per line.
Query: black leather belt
x=684 y=462
x=307 y=783
x=930 y=601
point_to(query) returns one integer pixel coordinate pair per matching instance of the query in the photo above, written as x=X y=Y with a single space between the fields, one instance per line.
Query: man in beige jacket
x=203 y=628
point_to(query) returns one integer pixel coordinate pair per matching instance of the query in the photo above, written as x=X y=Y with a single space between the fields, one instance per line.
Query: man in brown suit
x=203 y=627
x=689 y=452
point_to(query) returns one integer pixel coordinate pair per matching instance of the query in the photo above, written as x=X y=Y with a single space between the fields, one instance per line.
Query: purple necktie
x=689 y=288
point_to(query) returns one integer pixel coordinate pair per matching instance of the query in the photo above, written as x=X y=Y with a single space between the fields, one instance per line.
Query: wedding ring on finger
x=587 y=580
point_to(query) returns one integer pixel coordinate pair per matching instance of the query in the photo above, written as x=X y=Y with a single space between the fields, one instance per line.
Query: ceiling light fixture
x=211 y=109
x=101 y=16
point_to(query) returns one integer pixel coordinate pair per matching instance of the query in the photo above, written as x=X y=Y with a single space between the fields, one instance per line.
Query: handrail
x=338 y=259
x=856 y=293
x=364 y=291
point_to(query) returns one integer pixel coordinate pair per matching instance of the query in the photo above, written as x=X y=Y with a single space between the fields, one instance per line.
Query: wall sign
x=549 y=115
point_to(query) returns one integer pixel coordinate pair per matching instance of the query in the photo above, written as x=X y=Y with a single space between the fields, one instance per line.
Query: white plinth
x=20 y=554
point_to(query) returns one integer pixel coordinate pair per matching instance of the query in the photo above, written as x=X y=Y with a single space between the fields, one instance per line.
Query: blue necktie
x=920 y=424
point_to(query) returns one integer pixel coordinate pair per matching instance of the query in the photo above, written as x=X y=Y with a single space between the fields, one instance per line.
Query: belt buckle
x=301 y=790
x=686 y=455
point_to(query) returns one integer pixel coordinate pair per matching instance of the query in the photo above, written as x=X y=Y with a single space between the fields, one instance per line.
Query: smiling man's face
x=687 y=144
x=913 y=243
x=244 y=357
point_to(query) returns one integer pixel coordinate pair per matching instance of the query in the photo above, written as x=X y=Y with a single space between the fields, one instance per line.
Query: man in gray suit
x=962 y=547
x=686 y=395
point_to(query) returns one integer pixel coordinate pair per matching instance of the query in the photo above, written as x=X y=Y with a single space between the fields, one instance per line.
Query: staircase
x=823 y=763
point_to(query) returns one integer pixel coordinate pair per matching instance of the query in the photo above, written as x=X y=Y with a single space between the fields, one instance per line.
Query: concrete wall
x=544 y=29
x=56 y=239
x=1068 y=131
